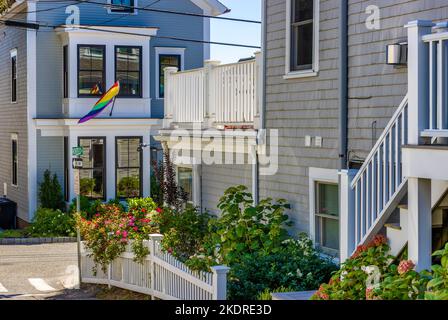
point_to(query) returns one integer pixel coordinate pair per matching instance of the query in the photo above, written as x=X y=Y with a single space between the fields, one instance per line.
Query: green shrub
x=297 y=266
x=243 y=229
x=184 y=232
x=50 y=192
x=350 y=282
x=13 y=234
x=52 y=223
x=437 y=288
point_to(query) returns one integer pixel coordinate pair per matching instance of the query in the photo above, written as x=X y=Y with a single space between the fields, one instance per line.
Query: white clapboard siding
x=161 y=275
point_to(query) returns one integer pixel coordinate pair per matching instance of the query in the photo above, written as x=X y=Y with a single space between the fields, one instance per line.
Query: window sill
x=300 y=74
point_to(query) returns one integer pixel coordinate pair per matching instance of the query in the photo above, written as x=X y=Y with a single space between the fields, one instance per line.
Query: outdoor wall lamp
x=141 y=146
x=397 y=54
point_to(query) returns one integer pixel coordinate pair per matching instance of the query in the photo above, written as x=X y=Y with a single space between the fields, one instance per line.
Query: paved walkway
x=46 y=271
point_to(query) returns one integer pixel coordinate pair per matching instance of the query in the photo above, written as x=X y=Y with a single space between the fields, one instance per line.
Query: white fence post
x=209 y=92
x=220 y=282
x=346 y=213
x=418 y=79
x=169 y=101
x=155 y=239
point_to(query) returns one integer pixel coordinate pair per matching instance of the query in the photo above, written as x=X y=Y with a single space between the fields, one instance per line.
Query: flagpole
x=112 y=109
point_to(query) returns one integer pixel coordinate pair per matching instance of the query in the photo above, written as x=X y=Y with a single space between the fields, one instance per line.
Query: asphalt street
x=37 y=271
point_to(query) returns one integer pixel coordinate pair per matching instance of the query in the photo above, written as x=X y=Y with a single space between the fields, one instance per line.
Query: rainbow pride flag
x=103 y=103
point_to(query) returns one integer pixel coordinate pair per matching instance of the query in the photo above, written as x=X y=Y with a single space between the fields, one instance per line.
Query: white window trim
x=15 y=137
x=167 y=50
x=13 y=54
x=317 y=175
x=302 y=73
x=109 y=9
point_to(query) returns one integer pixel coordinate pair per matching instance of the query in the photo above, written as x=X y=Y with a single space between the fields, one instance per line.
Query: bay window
x=128 y=70
x=91 y=70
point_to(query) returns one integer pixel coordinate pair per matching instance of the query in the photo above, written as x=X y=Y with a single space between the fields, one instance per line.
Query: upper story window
x=14 y=75
x=302 y=37
x=165 y=61
x=91 y=70
x=327 y=217
x=123 y=6
x=128 y=70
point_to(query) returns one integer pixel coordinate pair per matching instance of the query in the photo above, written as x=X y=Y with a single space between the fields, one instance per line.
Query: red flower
x=144 y=210
x=159 y=210
x=405 y=266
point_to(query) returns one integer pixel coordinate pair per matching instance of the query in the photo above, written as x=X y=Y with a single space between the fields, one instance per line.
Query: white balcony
x=216 y=96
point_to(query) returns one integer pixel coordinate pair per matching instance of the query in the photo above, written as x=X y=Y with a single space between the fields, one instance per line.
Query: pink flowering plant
x=110 y=230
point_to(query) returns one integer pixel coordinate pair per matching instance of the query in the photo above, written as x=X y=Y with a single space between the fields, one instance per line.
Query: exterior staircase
x=379 y=187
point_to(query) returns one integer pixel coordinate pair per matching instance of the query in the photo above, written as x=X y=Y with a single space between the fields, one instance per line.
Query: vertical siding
x=218 y=178
x=49 y=47
x=300 y=107
x=13 y=117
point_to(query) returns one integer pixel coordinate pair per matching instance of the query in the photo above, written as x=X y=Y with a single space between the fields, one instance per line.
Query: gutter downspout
x=343 y=85
x=262 y=130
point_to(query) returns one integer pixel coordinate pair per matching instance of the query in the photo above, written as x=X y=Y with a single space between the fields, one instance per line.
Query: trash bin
x=8 y=213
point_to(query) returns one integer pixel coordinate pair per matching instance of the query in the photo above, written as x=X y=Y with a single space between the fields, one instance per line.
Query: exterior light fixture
x=397 y=54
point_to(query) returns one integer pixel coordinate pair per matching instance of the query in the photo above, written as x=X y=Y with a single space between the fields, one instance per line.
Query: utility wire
x=154 y=10
x=37 y=25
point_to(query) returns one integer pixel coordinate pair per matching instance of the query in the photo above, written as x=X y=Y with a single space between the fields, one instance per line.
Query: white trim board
x=214 y=7
x=318 y=175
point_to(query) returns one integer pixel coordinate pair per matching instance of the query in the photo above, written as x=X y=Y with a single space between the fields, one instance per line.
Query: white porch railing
x=437 y=106
x=375 y=190
x=221 y=94
x=161 y=275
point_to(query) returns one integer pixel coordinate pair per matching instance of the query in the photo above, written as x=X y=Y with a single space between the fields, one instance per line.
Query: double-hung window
x=14 y=75
x=128 y=70
x=327 y=216
x=123 y=6
x=14 y=160
x=128 y=167
x=185 y=181
x=91 y=70
x=93 y=173
x=302 y=37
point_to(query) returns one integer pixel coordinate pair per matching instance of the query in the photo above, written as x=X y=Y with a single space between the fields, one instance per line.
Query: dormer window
x=123 y=6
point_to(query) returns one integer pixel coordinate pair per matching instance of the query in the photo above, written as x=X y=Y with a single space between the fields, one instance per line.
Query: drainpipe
x=343 y=84
x=262 y=119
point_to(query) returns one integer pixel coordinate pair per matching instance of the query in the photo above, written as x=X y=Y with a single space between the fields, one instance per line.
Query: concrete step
x=397 y=233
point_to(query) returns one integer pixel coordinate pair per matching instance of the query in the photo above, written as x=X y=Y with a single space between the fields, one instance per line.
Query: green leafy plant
x=297 y=266
x=50 y=192
x=437 y=288
x=184 y=231
x=243 y=229
x=350 y=282
x=5 y=234
x=52 y=223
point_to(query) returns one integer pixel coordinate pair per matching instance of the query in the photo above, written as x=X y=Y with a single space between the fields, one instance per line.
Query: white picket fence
x=161 y=275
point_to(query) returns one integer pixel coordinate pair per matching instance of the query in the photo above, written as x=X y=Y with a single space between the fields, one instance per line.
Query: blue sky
x=236 y=32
